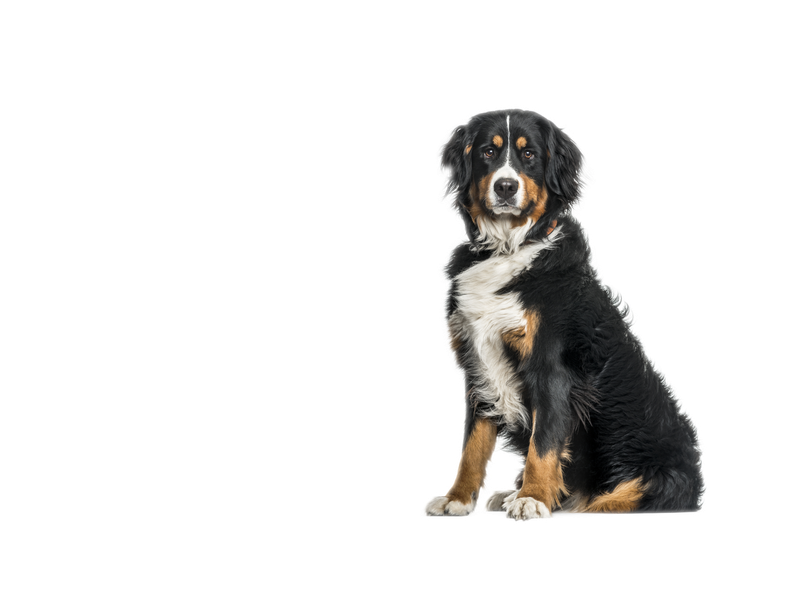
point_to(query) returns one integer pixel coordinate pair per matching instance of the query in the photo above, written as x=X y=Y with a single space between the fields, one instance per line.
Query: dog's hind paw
x=495 y=503
x=442 y=505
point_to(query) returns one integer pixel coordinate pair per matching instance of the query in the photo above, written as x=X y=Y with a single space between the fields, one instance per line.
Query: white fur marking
x=495 y=503
x=499 y=234
x=508 y=128
x=442 y=505
x=483 y=316
x=507 y=172
x=523 y=509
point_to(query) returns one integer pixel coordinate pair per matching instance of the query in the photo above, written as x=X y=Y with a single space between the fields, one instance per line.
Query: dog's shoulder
x=463 y=257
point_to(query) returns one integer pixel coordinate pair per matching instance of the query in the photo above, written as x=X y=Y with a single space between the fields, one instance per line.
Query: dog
x=549 y=360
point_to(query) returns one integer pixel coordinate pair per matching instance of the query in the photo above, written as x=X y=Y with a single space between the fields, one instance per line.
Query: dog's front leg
x=478 y=448
x=542 y=481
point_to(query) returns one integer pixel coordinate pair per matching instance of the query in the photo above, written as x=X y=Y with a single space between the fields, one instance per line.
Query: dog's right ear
x=456 y=157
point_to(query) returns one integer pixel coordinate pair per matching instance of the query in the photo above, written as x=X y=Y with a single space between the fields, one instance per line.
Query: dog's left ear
x=562 y=175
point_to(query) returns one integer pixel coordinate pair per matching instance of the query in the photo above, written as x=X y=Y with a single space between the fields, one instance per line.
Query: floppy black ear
x=456 y=157
x=562 y=175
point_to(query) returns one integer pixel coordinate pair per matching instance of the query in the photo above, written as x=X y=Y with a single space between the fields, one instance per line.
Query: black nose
x=505 y=188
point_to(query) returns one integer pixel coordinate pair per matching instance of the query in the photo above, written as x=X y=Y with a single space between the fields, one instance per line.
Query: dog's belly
x=481 y=318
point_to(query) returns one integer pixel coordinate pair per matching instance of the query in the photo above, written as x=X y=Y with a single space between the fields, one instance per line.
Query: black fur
x=587 y=378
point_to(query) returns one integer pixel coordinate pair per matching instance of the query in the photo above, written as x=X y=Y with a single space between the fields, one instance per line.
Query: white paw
x=509 y=498
x=522 y=509
x=497 y=499
x=442 y=505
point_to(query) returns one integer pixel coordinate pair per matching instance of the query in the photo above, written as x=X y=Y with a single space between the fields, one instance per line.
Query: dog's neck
x=553 y=225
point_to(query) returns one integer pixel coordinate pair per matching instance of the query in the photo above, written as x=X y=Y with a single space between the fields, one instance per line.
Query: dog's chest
x=481 y=318
x=483 y=310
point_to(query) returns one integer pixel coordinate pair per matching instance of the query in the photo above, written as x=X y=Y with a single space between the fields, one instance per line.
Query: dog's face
x=507 y=170
x=511 y=169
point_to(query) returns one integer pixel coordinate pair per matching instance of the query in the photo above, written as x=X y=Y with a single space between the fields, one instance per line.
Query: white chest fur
x=482 y=316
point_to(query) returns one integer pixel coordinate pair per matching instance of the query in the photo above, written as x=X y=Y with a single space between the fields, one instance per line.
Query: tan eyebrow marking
x=521 y=143
x=497 y=141
x=468 y=148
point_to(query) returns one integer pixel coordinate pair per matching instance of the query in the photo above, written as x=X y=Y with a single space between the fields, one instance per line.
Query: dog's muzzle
x=505 y=191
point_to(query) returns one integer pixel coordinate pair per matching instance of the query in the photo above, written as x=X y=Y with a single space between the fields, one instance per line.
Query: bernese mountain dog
x=550 y=363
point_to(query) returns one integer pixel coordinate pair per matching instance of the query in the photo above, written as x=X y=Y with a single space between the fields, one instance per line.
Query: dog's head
x=513 y=173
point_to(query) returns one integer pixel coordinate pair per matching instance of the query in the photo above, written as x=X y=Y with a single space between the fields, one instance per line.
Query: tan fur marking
x=476 y=192
x=520 y=340
x=624 y=498
x=543 y=477
x=497 y=141
x=566 y=453
x=467 y=149
x=457 y=343
x=533 y=194
x=521 y=143
x=472 y=468
x=475 y=212
x=541 y=205
x=518 y=220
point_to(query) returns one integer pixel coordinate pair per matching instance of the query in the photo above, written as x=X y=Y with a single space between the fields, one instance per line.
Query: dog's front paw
x=522 y=509
x=442 y=505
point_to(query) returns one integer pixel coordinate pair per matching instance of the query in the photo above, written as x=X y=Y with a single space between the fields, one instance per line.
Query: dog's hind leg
x=461 y=498
x=625 y=497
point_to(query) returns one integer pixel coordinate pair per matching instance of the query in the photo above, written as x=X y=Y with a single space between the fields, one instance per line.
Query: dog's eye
x=528 y=154
x=489 y=153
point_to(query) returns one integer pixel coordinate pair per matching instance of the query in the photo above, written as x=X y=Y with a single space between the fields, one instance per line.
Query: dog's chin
x=506 y=210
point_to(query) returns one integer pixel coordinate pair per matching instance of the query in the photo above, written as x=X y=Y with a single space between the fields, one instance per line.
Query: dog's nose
x=506 y=188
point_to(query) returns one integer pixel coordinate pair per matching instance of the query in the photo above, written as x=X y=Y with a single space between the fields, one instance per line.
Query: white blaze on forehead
x=508 y=127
